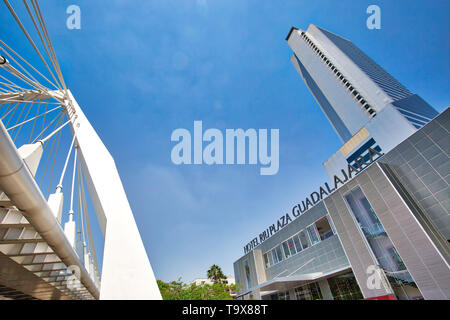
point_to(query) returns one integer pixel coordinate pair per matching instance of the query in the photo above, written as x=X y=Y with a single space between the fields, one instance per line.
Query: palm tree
x=215 y=274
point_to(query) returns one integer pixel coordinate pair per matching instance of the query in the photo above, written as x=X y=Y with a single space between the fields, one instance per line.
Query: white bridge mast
x=126 y=271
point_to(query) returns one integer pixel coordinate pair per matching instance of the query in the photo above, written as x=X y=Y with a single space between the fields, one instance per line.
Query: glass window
x=396 y=257
x=291 y=246
x=345 y=287
x=297 y=243
x=304 y=239
x=274 y=256
x=310 y=291
x=270 y=258
x=284 y=295
x=324 y=228
x=313 y=234
x=266 y=260
x=287 y=253
x=279 y=254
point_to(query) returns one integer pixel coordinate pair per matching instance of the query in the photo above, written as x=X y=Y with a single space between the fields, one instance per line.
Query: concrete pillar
x=292 y=295
x=259 y=266
x=325 y=290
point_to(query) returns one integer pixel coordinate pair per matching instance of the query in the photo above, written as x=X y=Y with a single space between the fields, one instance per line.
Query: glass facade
x=284 y=295
x=324 y=228
x=382 y=248
x=313 y=234
x=304 y=239
x=290 y=247
x=310 y=291
x=278 y=256
x=297 y=243
x=376 y=73
x=345 y=287
x=342 y=287
x=287 y=252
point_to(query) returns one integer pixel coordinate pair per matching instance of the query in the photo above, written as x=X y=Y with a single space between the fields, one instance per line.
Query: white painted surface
x=31 y=155
x=55 y=202
x=126 y=273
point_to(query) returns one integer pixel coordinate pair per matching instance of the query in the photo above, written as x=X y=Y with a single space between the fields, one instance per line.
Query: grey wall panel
x=422 y=165
x=427 y=267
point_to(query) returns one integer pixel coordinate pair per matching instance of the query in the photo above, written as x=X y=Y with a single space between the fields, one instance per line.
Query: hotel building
x=383 y=231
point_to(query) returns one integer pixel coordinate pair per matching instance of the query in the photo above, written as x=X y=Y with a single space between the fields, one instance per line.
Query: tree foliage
x=215 y=274
x=219 y=290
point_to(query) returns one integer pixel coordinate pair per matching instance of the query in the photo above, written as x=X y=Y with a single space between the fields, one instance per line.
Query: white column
x=325 y=289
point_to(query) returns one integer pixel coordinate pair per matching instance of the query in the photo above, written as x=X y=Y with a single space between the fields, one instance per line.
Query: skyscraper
x=366 y=106
x=387 y=213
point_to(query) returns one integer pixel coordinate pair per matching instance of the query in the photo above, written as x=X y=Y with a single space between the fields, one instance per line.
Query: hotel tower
x=366 y=106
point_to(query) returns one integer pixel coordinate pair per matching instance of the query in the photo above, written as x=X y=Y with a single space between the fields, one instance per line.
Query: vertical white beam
x=126 y=272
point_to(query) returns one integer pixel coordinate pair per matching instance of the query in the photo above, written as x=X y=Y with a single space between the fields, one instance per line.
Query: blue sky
x=141 y=69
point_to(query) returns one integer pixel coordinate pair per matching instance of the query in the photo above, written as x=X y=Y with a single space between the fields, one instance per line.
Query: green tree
x=215 y=291
x=173 y=290
x=219 y=290
x=177 y=290
x=215 y=274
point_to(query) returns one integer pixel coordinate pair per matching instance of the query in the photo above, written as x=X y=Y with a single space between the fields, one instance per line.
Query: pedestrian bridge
x=57 y=183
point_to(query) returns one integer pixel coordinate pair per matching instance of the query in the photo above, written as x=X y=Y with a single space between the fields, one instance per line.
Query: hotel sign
x=338 y=180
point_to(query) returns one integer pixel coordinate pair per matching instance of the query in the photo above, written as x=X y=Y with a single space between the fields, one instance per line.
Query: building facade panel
x=377 y=74
x=343 y=104
x=332 y=116
x=348 y=66
x=427 y=267
x=422 y=166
